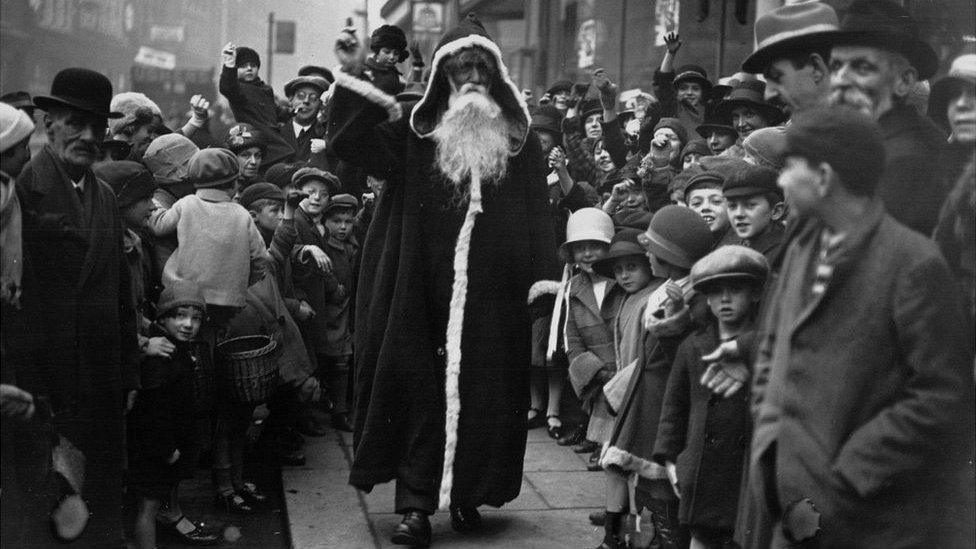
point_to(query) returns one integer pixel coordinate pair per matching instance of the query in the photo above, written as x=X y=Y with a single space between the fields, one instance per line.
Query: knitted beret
x=168 y=157
x=844 y=138
x=130 y=104
x=259 y=191
x=751 y=181
x=15 y=126
x=677 y=235
x=729 y=262
x=130 y=181
x=213 y=168
x=180 y=293
x=767 y=147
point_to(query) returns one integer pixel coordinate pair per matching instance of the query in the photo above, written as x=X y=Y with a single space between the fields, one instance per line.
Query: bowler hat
x=624 y=244
x=885 y=25
x=213 y=168
x=316 y=82
x=727 y=263
x=751 y=94
x=678 y=236
x=788 y=30
x=82 y=89
x=962 y=73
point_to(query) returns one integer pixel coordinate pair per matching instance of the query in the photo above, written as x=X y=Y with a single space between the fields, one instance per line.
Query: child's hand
x=159 y=346
x=660 y=153
x=725 y=378
x=130 y=400
x=348 y=50
x=317 y=145
x=557 y=158
x=676 y=298
x=295 y=197
x=672 y=41
x=173 y=457
x=321 y=258
x=201 y=112
x=305 y=311
x=608 y=90
x=229 y=55
x=672 y=470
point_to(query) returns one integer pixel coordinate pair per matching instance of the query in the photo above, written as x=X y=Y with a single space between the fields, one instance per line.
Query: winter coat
x=405 y=290
x=384 y=77
x=589 y=335
x=910 y=186
x=956 y=231
x=705 y=435
x=769 y=242
x=344 y=256
x=312 y=285
x=866 y=392
x=254 y=103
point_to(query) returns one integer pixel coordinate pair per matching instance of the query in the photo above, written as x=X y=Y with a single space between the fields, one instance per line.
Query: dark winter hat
x=468 y=26
x=130 y=181
x=680 y=181
x=696 y=146
x=767 y=147
x=589 y=107
x=168 y=157
x=243 y=136
x=714 y=123
x=247 y=55
x=317 y=82
x=180 y=293
x=848 y=140
x=260 y=191
x=732 y=262
x=673 y=124
x=624 y=244
x=314 y=174
x=677 y=235
x=314 y=70
x=213 y=168
x=751 y=93
x=390 y=36
x=788 y=30
x=722 y=164
x=887 y=26
x=560 y=86
x=548 y=119
x=81 y=89
x=750 y=181
x=705 y=178
x=341 y=201
x=19 y=100
x=281 y=173
x=693 y=73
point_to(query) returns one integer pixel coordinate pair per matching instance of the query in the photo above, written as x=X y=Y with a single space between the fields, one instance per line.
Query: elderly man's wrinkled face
x=961 y=112
x=75 y=136
x=305 y=103
x=471 y=70
x=868 y=79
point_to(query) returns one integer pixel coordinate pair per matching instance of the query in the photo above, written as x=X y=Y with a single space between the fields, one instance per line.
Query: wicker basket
x=249 y=367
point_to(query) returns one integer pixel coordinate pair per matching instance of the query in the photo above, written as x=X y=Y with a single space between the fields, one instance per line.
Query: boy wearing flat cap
x=863 y=376
x=755 y=208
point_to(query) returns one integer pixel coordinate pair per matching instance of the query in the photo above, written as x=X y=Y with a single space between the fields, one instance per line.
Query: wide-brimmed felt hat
x=962 y=74
x=694 y=73
x=788 y=30
x=624 y=244
x=884 y=25
x=82 y=89
x=316 y=82
x=751 y=94
x=730 y=262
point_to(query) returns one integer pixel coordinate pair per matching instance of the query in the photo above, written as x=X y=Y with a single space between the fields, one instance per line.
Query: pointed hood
x=469 y=34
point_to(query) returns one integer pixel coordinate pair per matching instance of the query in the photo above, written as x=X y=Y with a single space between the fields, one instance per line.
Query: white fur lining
x=453 y=47
x=613 y=455
x=543 y=287
x=371 y=93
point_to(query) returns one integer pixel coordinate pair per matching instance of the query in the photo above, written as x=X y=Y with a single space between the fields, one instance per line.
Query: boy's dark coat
x=254 y=103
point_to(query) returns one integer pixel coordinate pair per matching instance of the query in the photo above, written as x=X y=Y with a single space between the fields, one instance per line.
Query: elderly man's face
x=471 y=69
x=868 y=79
x=305 y=103
x=75 y=136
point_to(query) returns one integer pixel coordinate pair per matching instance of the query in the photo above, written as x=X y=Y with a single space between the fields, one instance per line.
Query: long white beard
x=472 y=137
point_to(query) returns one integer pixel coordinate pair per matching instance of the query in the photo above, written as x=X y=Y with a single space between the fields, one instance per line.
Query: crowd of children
x=671 y=244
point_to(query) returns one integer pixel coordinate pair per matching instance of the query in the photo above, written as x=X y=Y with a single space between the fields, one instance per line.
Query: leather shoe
x=413 y=530
x=555 y=431
x=340 y=422
x=593 y=463
x=195 y=536
x=585 y=447
x=465 y=519
x=576 y=436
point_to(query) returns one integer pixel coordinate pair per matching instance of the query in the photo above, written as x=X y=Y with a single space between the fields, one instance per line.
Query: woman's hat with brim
x=624 y=244
x=586 y=224
x=560 y=86
x=693 y=73
x=751 y=94
x=242 y=136
x=82 y=89
x=678 y=236
x=589 y=107
x=885 y=25
x=789 y=30
x=316 y=82
x=730 y=262
x=548 y=119
x=962 y=73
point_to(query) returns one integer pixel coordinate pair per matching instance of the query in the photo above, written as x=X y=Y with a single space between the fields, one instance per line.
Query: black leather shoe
x=187 y=532
x=465 y=519
x=585 y=447
x=593 y=463
x=576 y=436
x=413 y=530
x=555 y=431
x=340 y=422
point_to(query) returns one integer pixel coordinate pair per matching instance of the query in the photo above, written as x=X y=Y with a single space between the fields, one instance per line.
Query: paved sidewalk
x=557 y=495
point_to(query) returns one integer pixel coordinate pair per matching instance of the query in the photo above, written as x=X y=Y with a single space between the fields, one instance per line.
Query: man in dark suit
x=304 y=132
x=77 y=339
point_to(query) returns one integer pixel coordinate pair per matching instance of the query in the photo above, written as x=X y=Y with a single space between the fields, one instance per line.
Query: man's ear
x=254 y=214
x=905 y=81
x=777 y=211
x=818 y=68
x=827 y=179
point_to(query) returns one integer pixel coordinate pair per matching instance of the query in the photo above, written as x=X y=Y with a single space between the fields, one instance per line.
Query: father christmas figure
x=442 y=326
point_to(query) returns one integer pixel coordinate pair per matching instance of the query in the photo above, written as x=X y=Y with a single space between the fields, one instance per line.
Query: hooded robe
x=408 y=283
